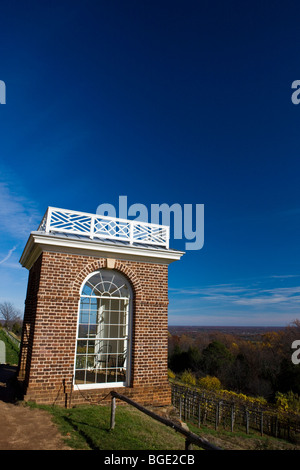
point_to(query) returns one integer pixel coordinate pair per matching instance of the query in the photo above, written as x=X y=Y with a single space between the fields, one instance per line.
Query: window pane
x=90 y=361
x=81 y=347
x=103 y=329
x=80 y=362
x=93 y=331
x=84 y=317
x=79 y=376
x=87 y=290
x=83 y=331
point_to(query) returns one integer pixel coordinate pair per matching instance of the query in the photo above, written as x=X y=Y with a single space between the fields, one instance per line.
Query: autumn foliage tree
x=260 y=367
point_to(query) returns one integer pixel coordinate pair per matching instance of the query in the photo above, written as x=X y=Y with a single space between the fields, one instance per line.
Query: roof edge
x=39 y=242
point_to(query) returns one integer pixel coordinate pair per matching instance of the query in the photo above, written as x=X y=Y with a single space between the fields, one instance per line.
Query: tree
x=216 y=359
x=17 y=328
x=9 y=314
x=180 y=360
x=289 y=377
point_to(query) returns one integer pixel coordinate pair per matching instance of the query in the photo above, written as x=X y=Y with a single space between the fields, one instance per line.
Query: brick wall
x=50 y=323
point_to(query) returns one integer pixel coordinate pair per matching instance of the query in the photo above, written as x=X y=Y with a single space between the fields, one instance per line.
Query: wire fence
x=206 y=408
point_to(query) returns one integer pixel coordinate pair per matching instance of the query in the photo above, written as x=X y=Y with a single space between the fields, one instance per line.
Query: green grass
x=12 y=352
x=87 y=427
x=240 y=440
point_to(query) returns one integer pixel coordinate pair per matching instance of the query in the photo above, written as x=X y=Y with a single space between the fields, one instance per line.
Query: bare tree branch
x=9 y=314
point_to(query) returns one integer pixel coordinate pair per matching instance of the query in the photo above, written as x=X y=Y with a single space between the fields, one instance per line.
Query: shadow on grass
x=77 y=426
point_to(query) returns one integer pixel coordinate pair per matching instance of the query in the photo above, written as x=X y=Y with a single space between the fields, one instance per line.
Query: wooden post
x=247 y=420
x=188 y=444
x=205 y=412
x=217 y=416
x=192 y=438
x=180 y=407
x=276 y=426
x=261 y=423
x=113 y=413
x=232 y=416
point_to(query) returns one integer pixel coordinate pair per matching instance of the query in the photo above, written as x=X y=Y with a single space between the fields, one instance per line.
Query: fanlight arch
x=106 y=282
x=104 y=328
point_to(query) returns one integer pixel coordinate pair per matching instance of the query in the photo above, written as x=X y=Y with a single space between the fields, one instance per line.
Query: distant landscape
x=243 y=332
x=253 y=360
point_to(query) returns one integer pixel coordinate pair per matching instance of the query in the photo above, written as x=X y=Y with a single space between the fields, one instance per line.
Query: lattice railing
x=100 y=226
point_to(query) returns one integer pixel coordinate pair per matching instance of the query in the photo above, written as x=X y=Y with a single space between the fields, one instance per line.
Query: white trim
x=94 y=385
x=99 y=226
x=101 y=296
x=104 y=338
x=107 y=217
x=40 y=241
x=127 y=337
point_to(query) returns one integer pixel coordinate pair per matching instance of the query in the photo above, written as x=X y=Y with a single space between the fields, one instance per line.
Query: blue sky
x=164 y=102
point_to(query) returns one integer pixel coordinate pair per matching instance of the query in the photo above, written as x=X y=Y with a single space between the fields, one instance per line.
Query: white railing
x=100 y=226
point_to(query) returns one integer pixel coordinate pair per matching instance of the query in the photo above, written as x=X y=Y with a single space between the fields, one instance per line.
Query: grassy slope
x=228 y=440
x=12 y=352
x=87 y=427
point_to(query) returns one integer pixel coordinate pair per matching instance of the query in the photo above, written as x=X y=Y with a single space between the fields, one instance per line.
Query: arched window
x=102 y=351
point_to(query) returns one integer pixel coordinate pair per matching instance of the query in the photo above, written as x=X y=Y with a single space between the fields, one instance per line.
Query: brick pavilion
x=96 y=310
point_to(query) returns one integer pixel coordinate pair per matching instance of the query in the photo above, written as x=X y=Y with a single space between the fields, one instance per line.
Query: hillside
x=86 y=427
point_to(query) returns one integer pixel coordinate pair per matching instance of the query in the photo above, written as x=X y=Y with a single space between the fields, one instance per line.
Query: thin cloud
x=285 y=276
x=18 y=215
x=220 y=289
x=230 y=294
x=263 y=300
x=8 y=255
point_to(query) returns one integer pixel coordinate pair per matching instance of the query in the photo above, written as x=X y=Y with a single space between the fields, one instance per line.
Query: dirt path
x=23 y=428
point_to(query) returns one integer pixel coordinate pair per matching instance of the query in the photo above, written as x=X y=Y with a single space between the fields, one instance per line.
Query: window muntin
x=102 y=352
x=106 y=282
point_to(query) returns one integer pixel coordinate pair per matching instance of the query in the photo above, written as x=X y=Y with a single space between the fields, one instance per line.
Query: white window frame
x=128 y=301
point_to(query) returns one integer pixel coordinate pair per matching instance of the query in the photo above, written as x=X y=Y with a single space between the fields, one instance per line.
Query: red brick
x=50 y=325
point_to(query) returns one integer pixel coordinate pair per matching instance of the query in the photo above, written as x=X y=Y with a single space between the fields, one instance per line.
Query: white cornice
x=39 y=242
